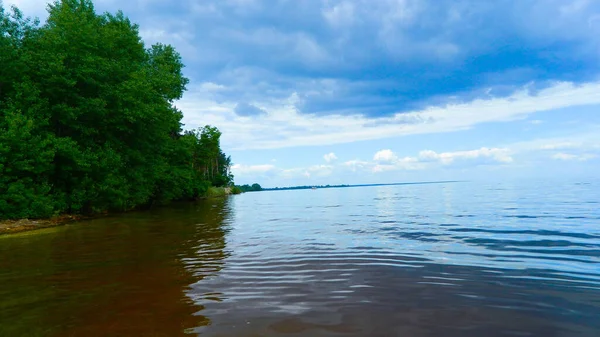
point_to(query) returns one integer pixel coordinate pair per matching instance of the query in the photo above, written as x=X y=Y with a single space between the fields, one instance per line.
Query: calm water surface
x=459 y=259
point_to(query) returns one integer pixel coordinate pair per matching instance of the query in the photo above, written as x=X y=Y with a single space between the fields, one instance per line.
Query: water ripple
x=453 y=260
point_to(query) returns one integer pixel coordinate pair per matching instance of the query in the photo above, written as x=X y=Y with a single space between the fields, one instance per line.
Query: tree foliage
x=87 y=120
x=250 y=188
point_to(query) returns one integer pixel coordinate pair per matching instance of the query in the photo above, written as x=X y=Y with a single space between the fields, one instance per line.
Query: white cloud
x=242 y=170
x=294 y=173
x=340 y=15
x=499 y=155
x=564 y=156
x=320 y=170
x=284 y=126
x=385 y=156
x=560 y=146
x=574 y=157
x=583 y=140
x=387 y=160
x=330 y=157
x=269 y=171
x=384 y=167
x=210 y=86
x=356 y=165
x=35 y=8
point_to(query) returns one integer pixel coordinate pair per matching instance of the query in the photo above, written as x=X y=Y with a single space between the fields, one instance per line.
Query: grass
x=216 y=192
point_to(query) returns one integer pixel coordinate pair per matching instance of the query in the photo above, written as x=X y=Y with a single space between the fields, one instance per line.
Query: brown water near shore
x=25 y=225
x=112 y=276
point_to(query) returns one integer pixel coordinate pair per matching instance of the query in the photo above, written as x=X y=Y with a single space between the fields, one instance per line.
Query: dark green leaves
x=87 y=118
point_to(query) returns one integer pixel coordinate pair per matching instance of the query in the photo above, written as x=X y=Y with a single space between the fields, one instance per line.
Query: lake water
x=455 y=259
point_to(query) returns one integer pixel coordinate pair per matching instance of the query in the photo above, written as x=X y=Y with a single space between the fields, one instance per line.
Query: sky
x=380 y=91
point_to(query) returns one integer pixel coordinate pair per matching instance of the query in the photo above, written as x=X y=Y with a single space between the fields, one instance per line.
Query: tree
x=247 y=188
x=88 y=118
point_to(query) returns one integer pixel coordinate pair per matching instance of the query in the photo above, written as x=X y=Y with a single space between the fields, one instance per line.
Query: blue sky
x=371 y=91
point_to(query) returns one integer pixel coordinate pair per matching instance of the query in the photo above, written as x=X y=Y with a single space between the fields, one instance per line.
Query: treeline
x=249 y=188
x=304 y=187
x=87 y=120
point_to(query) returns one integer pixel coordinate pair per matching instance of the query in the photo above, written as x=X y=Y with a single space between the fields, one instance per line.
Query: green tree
x=88 y=118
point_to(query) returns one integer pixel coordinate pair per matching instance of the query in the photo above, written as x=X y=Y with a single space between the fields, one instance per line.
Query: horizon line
x=362 y=185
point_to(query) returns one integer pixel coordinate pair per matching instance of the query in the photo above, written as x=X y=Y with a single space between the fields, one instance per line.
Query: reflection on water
x=422 y=260
x=119 y=276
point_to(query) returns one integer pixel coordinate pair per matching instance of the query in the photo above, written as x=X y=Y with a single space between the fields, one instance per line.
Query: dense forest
x=88 y=122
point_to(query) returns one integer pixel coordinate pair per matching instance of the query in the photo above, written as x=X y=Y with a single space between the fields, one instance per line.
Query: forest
x=88 y=122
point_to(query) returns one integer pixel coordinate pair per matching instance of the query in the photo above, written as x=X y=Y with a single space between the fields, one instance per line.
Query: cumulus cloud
x=248 y=110
x=385 y=156
x=387 y=160
x=249 y=173
x=383 y=161
x=330 y=157
x=388 y=164
x=413 y=55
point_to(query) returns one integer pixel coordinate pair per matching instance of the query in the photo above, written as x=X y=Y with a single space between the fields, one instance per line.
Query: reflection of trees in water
x=124 y=275
x=205 y=253
x=24 y=261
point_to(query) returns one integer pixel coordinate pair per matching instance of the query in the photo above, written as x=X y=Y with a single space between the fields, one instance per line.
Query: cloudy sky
x=371 y=91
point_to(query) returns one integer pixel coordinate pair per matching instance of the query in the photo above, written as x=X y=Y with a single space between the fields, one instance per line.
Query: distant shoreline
x=359 y=185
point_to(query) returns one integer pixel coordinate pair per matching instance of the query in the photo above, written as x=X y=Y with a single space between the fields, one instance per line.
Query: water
x=458 y=259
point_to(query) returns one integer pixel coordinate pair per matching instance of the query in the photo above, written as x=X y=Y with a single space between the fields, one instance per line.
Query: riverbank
x=216 y=192
x=26 y=225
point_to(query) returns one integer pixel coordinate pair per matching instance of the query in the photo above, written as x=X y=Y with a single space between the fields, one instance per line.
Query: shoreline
x=27 y=225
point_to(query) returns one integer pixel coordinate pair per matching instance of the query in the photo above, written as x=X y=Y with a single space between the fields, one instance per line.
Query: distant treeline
x=87 y=120
x=307 y=187
x=303 y=187
x=249 y=188
x=257 y=187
